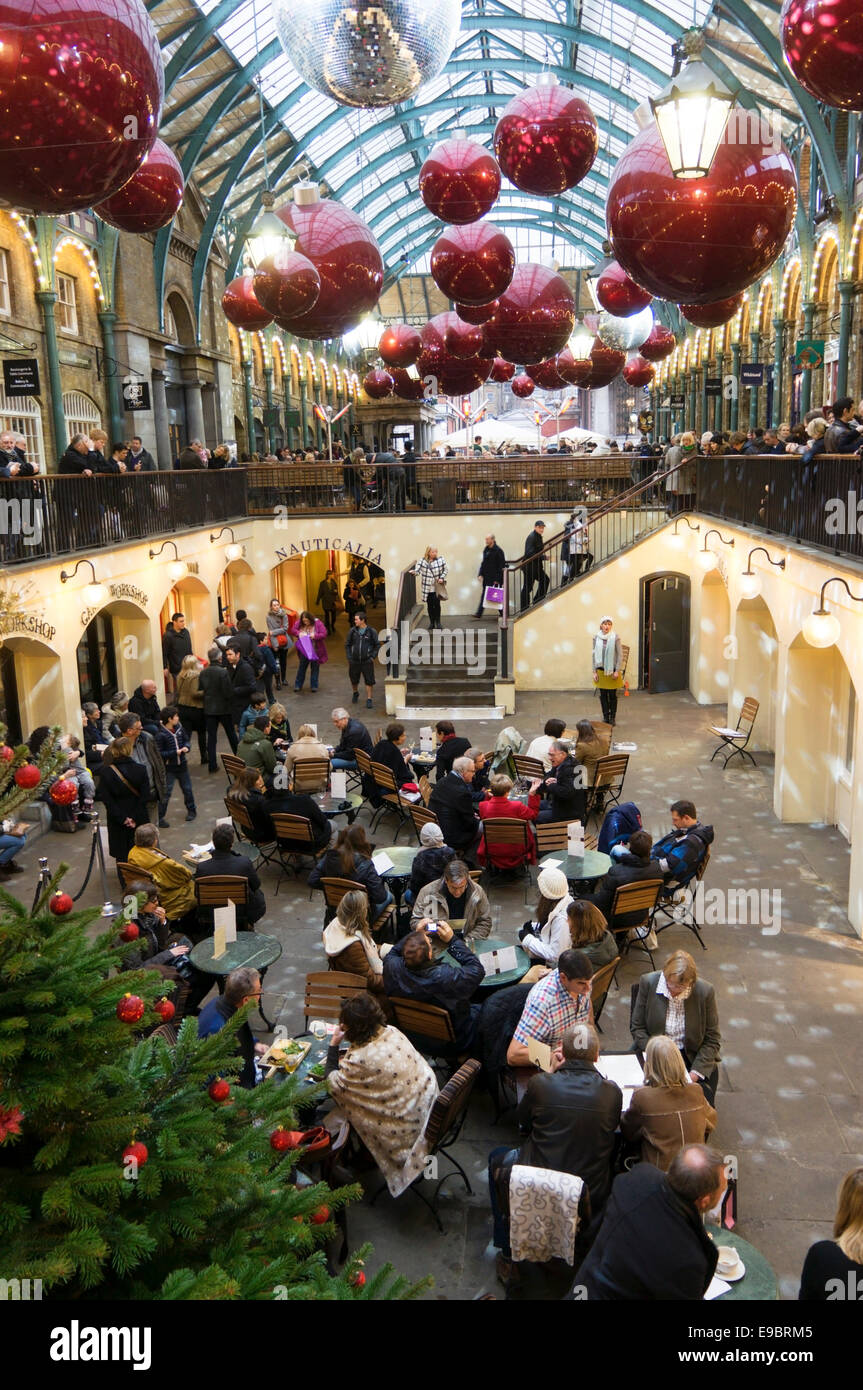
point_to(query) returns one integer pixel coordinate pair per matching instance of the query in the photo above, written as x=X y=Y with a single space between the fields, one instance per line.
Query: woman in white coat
x=548 y=935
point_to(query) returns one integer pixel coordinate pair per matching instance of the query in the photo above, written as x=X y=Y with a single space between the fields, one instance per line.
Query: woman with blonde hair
x=189 y=698
x=307 y=745
x=350 y=945
x=281 y=725
x=674 y=1001
x=833 y=1268
x=668 y=1111
x=432 y=571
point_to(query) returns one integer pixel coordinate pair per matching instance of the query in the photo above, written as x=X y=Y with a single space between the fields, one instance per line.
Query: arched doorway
x=815 y=772
x=234 y=590
x=755 y=670
x=664 y=632
x=115 y=652
x=710 y=683
x=31 y=686
x=191 y=597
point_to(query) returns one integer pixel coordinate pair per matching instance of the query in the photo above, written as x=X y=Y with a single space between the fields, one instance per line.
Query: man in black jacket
x=242 y=679
x=354 y=735
x=563 y=788
x=533 y=572
x=842 y=437
x=282 y=802
x=652 y=1244
x=361 y=648
x=452 y=803
x=632 y=866
x=450 y=747
x=242 y=986
x=225 y=860
x=77 y=457
x=412 y=972
x=140 y=460
x=491 y=568
x=215 y=682
x=146 y=706
x=176 y=644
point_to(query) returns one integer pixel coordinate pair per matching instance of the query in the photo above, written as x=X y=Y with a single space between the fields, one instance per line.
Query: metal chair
x=737 y=738
x=310 y=775
x=294 y=839
x=326 y=990
x=631 y=898
x=391 y=801
x=334 y=890
x=599 y=987
x=677 y=910
x=608 y=778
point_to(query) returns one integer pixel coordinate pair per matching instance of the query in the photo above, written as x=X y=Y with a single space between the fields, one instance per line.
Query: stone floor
x=789 y=1100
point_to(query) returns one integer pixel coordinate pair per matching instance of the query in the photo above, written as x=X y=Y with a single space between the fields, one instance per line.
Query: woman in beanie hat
x=548 y=934
x=431 y=861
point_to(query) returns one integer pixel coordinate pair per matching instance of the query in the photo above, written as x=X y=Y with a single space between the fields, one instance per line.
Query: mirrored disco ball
x=624 y=334
x=367 y=54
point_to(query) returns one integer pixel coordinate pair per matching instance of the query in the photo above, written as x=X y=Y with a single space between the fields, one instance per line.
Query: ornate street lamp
x=691 y=113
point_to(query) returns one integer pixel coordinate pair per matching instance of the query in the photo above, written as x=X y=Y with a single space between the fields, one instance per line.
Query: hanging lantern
x=691 y=113
x=462 y=339
x=378 y=384
x=546 y=375
x=152 y=197
x=617 y=293
x=624 y=334
x=546 y=140
x=581 y=340
x=455 y=376
x=659 y=345
x=473 y=263
x=522 y=386
x=400 y=345
x=535 y=316
x=573 y=370
x=712 y=315
x=477 y=313
x=286 y=284
x=82 y=91
x=405 y=386
x=346 y=256
x=502 y=371
x=822 y=41
x=460 y=181
x=638 y=371
x=240 y=306
x=695 y=241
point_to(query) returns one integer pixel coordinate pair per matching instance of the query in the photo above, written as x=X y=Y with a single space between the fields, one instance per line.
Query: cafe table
x=592 y=864
x=346 y=805
x=759 y=1282
x=482 y=946
x=251 y=949
x=402 y=857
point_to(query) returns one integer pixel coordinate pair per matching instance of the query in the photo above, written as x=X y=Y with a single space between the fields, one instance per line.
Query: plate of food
x=286 y=1054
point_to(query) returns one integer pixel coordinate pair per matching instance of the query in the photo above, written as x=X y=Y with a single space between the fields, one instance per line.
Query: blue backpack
x=621 y=822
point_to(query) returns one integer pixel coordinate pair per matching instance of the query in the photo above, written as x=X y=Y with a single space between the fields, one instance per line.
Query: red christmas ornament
x=535 y=316
x=472 y=264
x=137 y=1152
x=27 y=776
x=220 y=1090
x=60 y=904
x=619 y=294
x=502 y=370
x=571 y=369
x=606 y=363
x=712 y=315
x=463 y=340
x=63 y=793
x=130 y=932
x=546 y=140
x=546 y=375
x=6 y=754
x=152 y=197
x=165 y=1009
x=476 y=313
x=822 y=41
x=240 y=306
x=698 y=240
x=286 y=284
x=659 y=345
x=358 y=1279
x=130 y=1009
x=522 y=386
x=378 y=384
x=10 y=1121
x=400 y=345
x=638 y=371
x=283 y=1139
x=459 y=181
x=321 y=1216
x=346 y=256
x=82 y=89
x=455 y=377
x=407 y=388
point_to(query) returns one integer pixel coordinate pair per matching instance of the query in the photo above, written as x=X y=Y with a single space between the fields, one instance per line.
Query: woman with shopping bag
x=310 y=635
x=278 y=626
x=490 y=574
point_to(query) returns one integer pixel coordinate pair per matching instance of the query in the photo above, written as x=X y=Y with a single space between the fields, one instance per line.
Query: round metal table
x=481 y=946
x=346 y=805
x=403 y=857
x=250 y=949
x=594 y=864
x=759 y=1281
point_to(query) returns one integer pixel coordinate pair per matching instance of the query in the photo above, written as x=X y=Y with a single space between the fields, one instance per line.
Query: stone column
x=755 y=340
x=734 y=412
x=160 y=420
x=46 y=299
x=107 y=319
x=846 y=314
x=806 y=383
x=194 y=411
x=270 y=433
x=250 y=407
x=778 y=371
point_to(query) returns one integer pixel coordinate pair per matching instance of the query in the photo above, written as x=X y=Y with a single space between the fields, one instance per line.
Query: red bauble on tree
x=572 y=369
x=462 y=340
x=712 y=315
x=400 y=345
x=619 y=294
x=63 y=793
x=822 y=41
x=82 y=89
x=546 y=140
x=455 y=377
x=60 y=904
x=472 y=264
x=476 y=313
x=638 y=371
x=220 y=1090
x=502 y=370
x=378 y=384
x=131 y=931
x=286 y=284
x=6 y=754
x=27 y=776
x=136 y=1153
x=522 y=386
x=535 y=316
x=659 y=345
x=460 y=181
x=546 y=375
x=321 y=1216
x=606 y=364
x=240 y=306
x=346 y=256
x=281 y=1140
x=130 y=1009
x=152 y=197
x=358 y=1279
x=697 y=240
x=407 y=388
x=165 y=1009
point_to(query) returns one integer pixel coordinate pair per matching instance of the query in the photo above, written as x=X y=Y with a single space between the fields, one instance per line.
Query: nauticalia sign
x=364 y=552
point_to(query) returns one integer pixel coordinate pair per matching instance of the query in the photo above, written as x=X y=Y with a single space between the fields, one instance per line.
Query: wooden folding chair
x=310 y=775
x=233 y=767
x=528 y=768
x=129 y=874
x=499 y=832
x=326 y=990
x=599 y=987
x=676 y=908
x=334 y=890
x=364 y=762
x=425 y=787
x=294 y=839
x=420 y=817
x=737 y=738
x=390 y=799
x=630 y=898
x=220 y=889
x=244 y=826
x=428 y=1027
x=608 y=778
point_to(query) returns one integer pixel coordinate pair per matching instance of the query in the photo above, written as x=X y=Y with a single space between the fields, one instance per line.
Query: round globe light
x=705 y=559
x=675 y=540
x=821 y=629
x=233 y=552
x=178 y=569
x=95 y=595
x=750 y=585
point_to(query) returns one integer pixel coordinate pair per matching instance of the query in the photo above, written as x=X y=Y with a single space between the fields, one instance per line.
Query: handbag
x=440 y=588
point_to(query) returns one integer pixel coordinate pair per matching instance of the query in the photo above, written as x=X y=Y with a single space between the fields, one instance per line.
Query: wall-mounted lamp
x=706 y=558
x=675 y=539
x=750 y=582
x=178 y=568
x=821 y=629
x=234 y=551
x=94 y=592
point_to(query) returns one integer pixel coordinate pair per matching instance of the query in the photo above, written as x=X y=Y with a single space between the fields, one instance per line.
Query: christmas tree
x=125 y=1170
x=22 y=778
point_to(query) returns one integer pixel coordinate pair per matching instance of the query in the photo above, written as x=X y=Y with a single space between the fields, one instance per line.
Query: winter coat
x=363 y=872
x=146 y=708
x=176 y=646
x=169 y=742
x=492 y=565
x=682 y=851
x=450 y=987
x=508 y=856
x=217 y=689
x=318 y=636
x=476 y=910
x=628 y=868
x=256 y=750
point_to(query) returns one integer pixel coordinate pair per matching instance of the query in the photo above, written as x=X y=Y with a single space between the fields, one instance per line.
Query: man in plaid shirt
x=559 y=1001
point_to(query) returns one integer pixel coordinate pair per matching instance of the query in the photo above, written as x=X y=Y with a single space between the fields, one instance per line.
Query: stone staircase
x=452 y=672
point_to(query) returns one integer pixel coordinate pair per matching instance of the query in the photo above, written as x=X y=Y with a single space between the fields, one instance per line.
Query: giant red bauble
x=546 y=140
x=286 y=284
x=400 y=345
x=347 y=257
x=472 y=264
x=378 y=384
x=81 y=90
x=407 y=388
x=455 y=377
x=502 y=370
x=619 y=294
x=463 y=340
x=697 y=240
x=638 y=371
x=571 y=369
x=712 y=315
x=241 y=307
x=152 y=197
x=63 y=793
x=130 y=1009
x=606 y=364
x=822 y=41
x=60 y=904
x=546 y=375
x=459 y=181
x=659 y=345
x=535 y=316
x=522 y=386
x=27 y=776
x=476 y=313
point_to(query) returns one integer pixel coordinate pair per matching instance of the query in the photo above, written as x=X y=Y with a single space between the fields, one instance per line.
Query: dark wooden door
x=667 y=632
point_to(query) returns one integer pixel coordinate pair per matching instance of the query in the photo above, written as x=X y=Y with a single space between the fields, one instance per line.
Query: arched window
x=81 y=413
x=22 y=415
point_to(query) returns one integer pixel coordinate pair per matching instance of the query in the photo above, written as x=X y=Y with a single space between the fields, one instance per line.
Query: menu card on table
x=220 y=943
x=498 y=962
x=382 y=861
x=624 y=1068
x=426 y=740
x=339 y=784
x=226 y=919
x=540 y=1052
